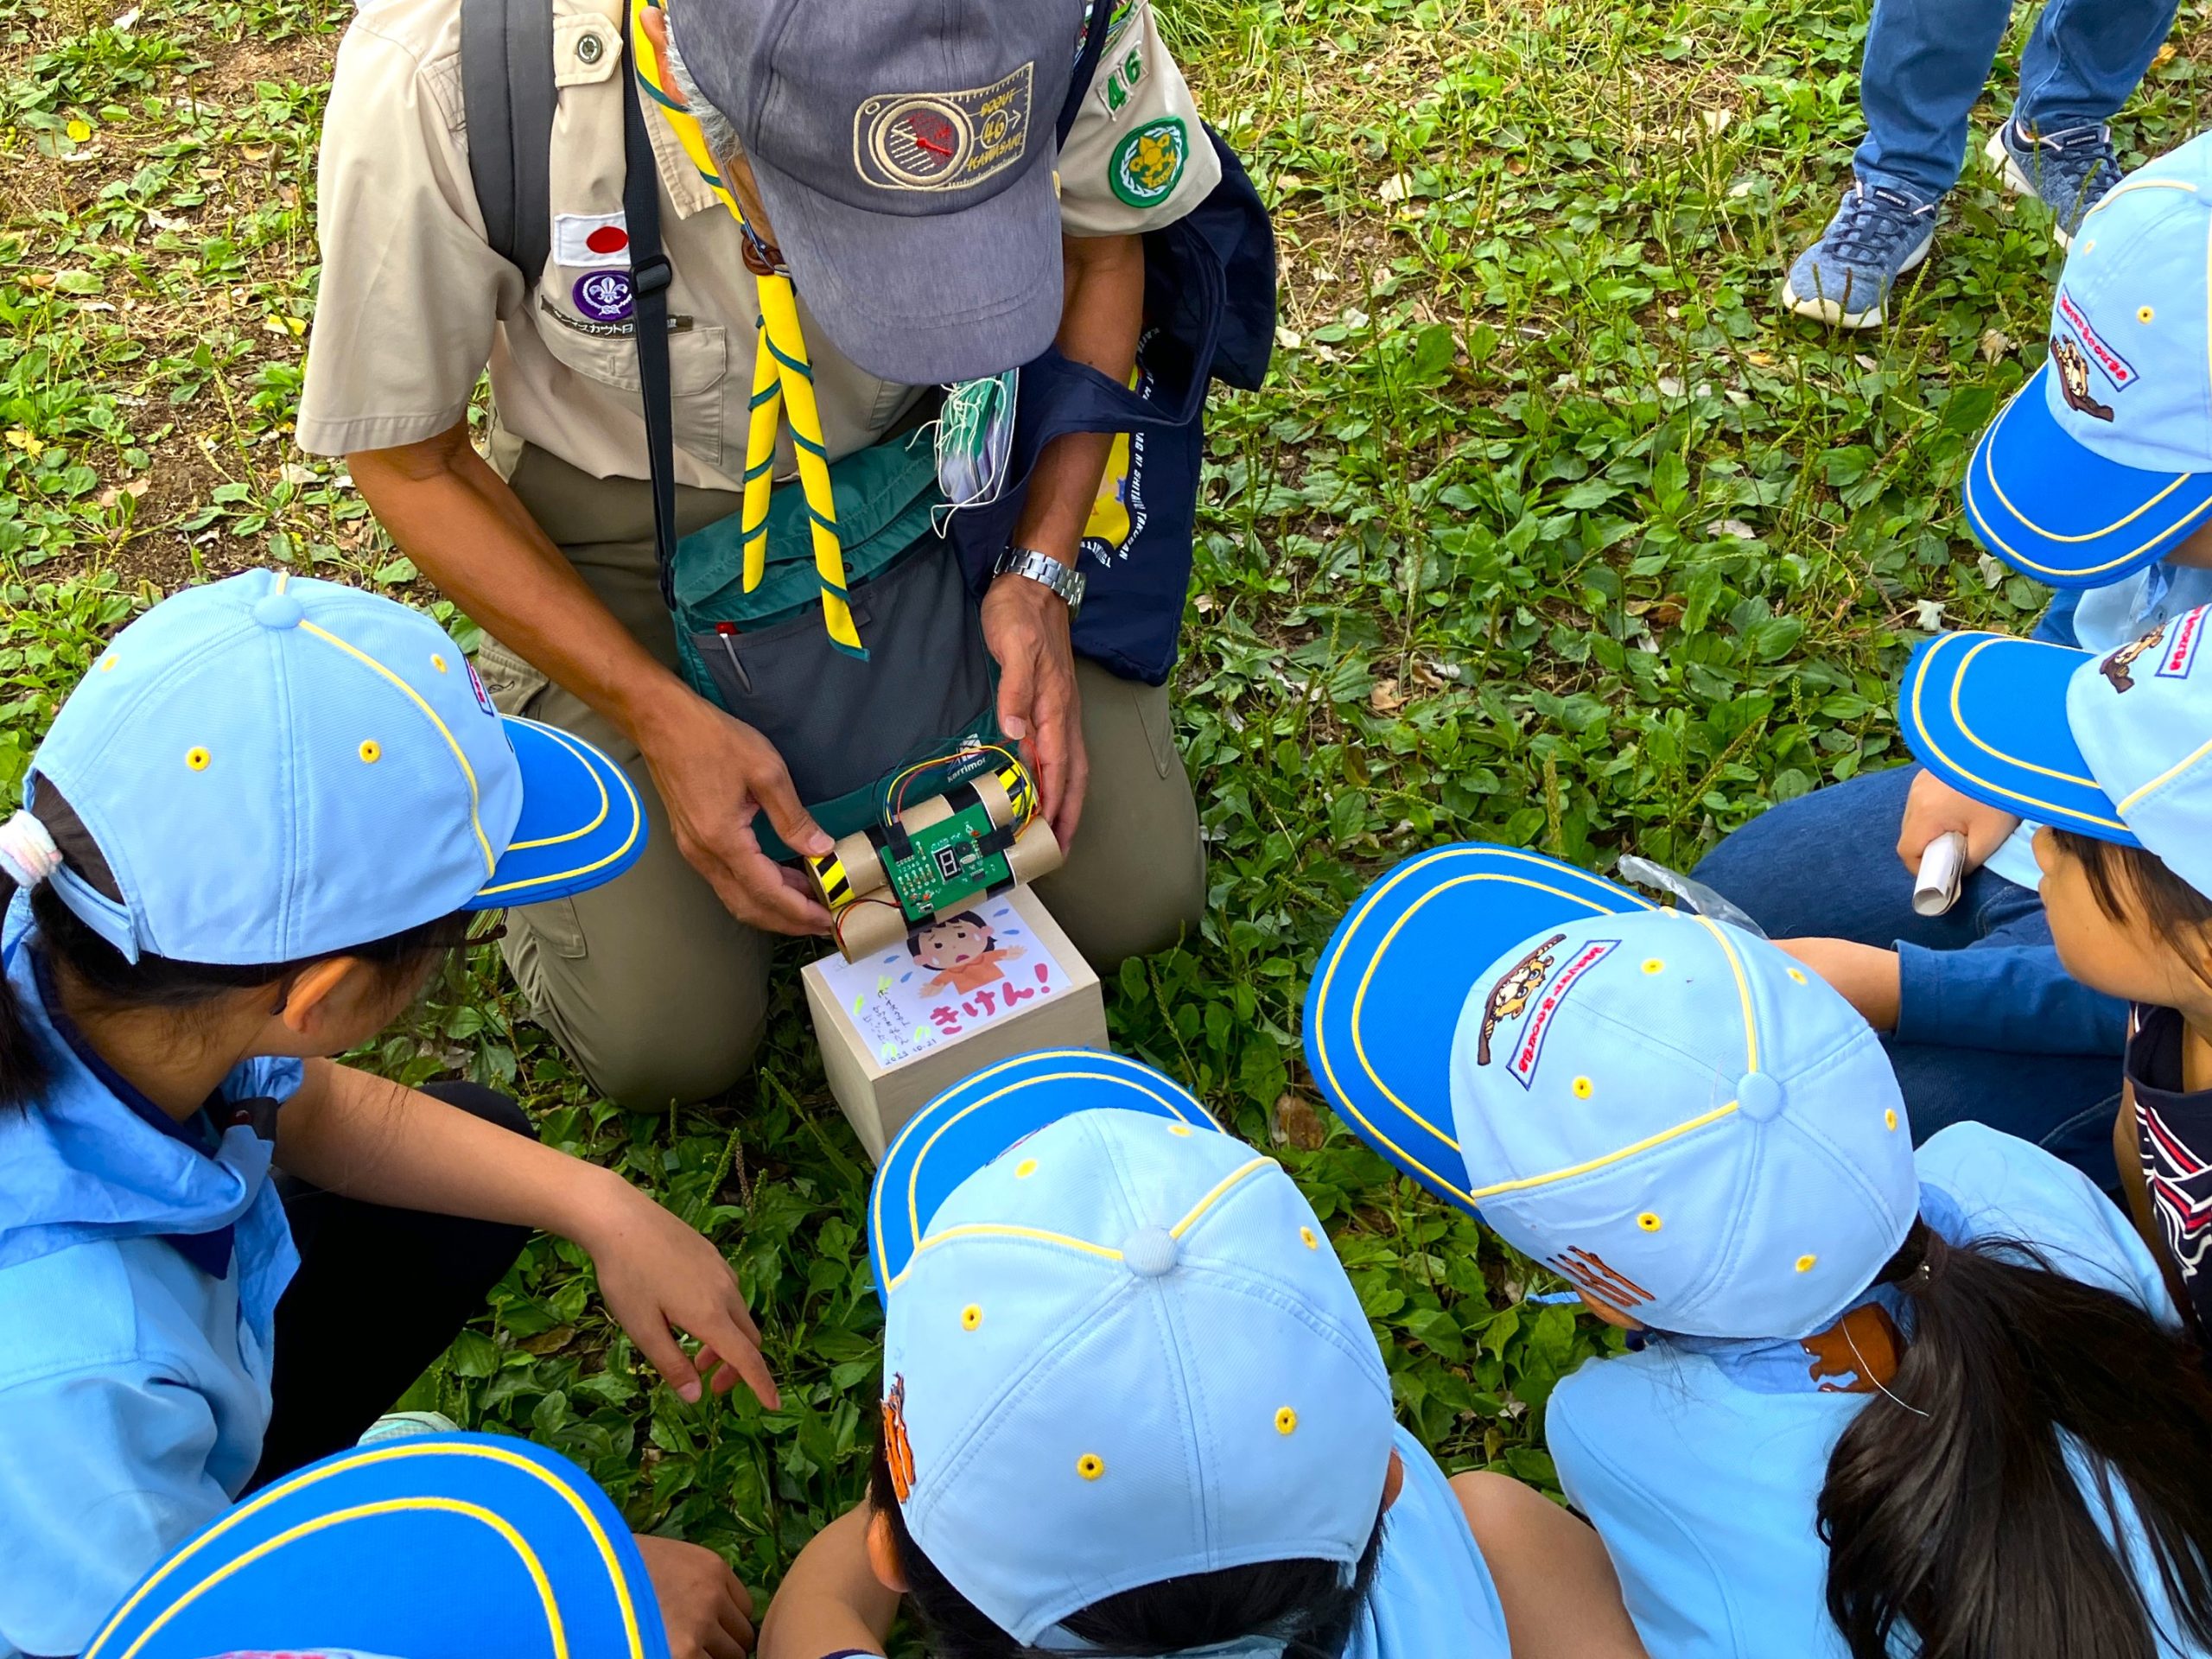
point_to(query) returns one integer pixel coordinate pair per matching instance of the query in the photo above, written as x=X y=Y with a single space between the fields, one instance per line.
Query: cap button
x=1150 y=1251
x=278 y=611
x=1759 y=1096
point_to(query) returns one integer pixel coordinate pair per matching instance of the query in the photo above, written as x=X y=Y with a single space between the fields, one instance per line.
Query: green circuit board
x=949 y=863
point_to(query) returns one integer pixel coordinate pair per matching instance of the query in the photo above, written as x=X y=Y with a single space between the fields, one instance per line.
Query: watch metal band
x=1064 y=579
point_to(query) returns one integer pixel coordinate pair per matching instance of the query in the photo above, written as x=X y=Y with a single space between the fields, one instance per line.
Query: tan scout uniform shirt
x=413 y=302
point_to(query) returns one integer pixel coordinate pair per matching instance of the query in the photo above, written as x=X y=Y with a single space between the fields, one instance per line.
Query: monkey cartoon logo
x=897 y=1450
x=1509 y=998
x=1862 y=1345
x=2073 y=369
x=2119 y=667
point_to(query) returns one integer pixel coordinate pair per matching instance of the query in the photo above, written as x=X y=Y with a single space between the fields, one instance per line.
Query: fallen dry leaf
x=1993 y=344
x=1387 y=698
x=1298 y=1123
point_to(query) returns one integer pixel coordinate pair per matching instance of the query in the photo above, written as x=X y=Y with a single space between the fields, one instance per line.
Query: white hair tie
x=28 y=854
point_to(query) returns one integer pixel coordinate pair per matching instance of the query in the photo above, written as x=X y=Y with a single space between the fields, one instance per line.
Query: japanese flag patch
x=591 y=241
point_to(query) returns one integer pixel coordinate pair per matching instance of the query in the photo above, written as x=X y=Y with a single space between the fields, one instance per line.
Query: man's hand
x=1025 y=626
x=714 y=773
x=1866 y=975
x=658 y=1276
x=707 y=1613
x=1933 y=809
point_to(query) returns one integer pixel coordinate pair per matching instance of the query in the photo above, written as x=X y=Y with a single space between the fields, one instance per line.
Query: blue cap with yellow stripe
x=1118 y=1348
x=1384 y=1000
x=2101 y=463
x=441 y=1547
x=1667 y=1110
x=271 y=768
x=2118 y=746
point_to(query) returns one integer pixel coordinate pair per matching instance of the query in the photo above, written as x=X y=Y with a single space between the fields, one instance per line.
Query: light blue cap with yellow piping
x=1379 y=1015
x=2102 y=462
x=1670 y=1113
x=443 y=1547
x=2118 y=746
x=1118 y=1348
x=273 y=768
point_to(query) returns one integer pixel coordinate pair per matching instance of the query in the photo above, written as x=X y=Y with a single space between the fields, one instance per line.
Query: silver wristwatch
x=1062 y=579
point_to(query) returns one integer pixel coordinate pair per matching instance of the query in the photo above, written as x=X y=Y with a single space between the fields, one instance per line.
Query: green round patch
x=1148 y=164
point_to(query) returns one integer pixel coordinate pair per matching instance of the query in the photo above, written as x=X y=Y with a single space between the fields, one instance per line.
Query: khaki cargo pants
x=656 y=991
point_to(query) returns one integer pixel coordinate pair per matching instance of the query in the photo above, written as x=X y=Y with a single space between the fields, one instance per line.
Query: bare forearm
x=365 y=1137
x=1099 y=326
x=470 y=534
x=831 y=1600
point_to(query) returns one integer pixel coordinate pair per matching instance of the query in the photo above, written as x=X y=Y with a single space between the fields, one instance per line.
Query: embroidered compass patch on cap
x=943 y=141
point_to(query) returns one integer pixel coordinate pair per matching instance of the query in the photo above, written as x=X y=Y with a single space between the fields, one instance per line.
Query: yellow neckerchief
x=783 y=381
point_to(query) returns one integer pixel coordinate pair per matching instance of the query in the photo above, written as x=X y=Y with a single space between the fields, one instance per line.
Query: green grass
x=1546 y=529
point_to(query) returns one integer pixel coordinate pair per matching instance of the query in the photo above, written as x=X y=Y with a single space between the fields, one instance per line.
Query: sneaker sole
x=2010 y=176
x=1832 y=312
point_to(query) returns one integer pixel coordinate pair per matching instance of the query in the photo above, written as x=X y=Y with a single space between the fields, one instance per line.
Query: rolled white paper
x=1940 y=867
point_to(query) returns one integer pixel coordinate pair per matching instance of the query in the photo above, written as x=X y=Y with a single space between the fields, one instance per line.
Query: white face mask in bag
x=975 y=440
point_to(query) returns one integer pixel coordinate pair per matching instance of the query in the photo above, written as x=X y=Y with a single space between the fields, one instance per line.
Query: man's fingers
x=780 y=802
x=1017 y=679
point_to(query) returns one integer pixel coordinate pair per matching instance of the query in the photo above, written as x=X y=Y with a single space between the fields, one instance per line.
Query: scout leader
x=876 y=186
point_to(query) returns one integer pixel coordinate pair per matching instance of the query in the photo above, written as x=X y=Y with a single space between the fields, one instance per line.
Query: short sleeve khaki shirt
x=414 y=304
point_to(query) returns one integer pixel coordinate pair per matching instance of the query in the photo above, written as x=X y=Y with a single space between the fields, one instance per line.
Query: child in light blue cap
x=2113 y=754
x=2094 y=478
x=254 y=829
x=1133 y=1406
x=443 y=1546
x=1881 y=1403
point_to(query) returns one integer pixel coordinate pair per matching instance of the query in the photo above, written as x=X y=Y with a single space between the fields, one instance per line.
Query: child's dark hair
x=2135 y=882
x=1309 y=1604
x=114 y=982
x=914 y=939
x=1955 y=1522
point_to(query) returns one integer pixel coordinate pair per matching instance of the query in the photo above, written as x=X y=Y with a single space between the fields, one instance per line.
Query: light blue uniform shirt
x=1432 y=1595
x=2105 y=619
x=1699 y=1463
x=134 y=1384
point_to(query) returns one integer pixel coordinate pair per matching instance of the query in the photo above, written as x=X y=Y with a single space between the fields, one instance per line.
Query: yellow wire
x=783 y=383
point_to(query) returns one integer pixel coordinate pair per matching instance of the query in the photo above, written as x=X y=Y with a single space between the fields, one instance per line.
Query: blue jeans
x=1991 y=1027
x=1927 y=60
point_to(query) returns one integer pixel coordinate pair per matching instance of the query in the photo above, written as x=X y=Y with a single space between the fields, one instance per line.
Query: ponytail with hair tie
x=28 y=855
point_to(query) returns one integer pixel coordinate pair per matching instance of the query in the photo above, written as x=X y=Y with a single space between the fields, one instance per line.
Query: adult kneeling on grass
x=894 y=171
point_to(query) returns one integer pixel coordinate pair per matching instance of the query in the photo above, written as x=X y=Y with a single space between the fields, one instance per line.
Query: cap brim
x=2058 y=511
x=1387 y=992
x=973 y=1124
x=929 y=300
x=1987 y=714
x=441 y=1544
x=582 y=823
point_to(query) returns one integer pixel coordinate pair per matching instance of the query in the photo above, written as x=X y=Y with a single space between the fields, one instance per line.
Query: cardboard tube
x=1035 y=852
x=991 y=793
x=1941 y=866
x=851 y=872
x=923 y=814
x=866 y=927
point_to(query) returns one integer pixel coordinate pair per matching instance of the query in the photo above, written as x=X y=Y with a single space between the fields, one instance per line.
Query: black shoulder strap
x=1086 y=65
x=649 y=277
x=508 y=96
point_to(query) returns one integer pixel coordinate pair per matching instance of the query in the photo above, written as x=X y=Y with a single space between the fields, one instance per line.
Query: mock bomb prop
x=935 y=859
x=946 y=962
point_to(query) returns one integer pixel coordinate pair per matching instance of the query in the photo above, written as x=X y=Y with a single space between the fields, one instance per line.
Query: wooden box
x=906 y=1023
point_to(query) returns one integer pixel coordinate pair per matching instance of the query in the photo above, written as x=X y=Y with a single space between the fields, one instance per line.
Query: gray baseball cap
x=905 y=152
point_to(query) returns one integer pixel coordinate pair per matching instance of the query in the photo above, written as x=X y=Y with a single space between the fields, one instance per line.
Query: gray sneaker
x=2068 y=172
x=1845 y=278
